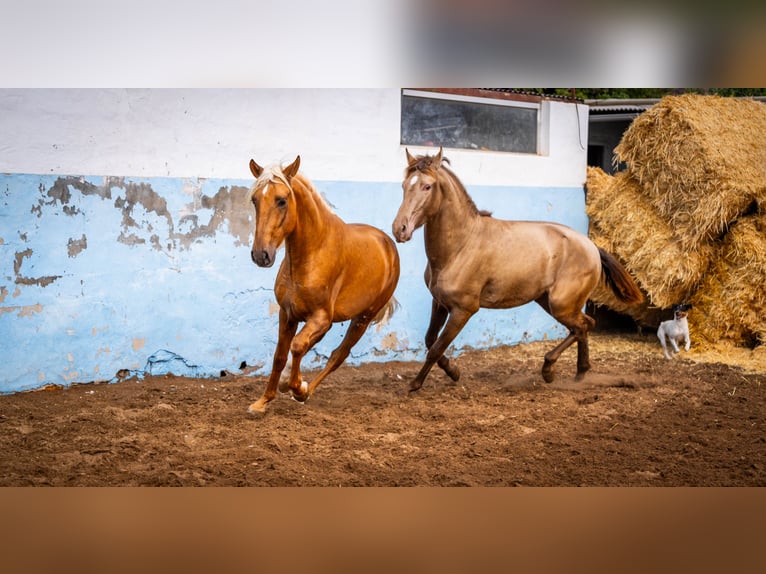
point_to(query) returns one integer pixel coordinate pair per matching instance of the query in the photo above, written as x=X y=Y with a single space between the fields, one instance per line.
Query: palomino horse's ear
x=292 y=169
x=255 y=169
x=437 y=163
x=410 y=160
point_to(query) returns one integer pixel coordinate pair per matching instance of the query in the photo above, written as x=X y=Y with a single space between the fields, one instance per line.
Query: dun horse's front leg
x=287 y=328
x=457 y=320
x=439 y=314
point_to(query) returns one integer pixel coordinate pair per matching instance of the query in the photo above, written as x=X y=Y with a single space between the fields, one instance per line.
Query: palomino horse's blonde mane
x=274 y=172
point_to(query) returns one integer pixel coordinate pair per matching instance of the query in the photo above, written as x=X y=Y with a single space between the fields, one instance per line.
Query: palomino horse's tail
x=385 y=314
x=618 y=280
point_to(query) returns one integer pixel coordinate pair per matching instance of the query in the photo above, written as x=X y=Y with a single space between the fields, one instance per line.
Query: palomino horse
x=332 y=271
x=477 y=261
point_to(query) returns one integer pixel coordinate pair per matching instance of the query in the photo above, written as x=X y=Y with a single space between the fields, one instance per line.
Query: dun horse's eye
x=427 y=187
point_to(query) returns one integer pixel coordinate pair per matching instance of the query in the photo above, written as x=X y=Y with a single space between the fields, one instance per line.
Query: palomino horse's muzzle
x=262 y=257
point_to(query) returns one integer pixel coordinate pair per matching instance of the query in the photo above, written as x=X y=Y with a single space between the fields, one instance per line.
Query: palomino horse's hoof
x=257 y=408
x=303 y=395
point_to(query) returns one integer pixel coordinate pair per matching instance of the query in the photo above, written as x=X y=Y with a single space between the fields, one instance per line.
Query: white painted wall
x=347 y=135
x=124 y=222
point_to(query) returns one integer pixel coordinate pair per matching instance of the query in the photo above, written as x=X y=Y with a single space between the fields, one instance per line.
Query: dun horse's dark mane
x=425 y=164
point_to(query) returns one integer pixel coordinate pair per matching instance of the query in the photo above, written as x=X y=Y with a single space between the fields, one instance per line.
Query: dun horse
x=476 y=261
x=332 y=271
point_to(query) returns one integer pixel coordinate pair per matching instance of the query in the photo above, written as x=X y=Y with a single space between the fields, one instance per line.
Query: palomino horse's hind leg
x=457 y=320
x=287 y=330
x=355 y=331
x=439 y=314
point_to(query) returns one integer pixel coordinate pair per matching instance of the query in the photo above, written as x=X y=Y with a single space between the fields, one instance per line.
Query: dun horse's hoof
x=548 y=376
x=453 y=373
x=415 y=386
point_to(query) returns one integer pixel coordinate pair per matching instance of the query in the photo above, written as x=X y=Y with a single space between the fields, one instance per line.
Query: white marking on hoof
x=304 y=389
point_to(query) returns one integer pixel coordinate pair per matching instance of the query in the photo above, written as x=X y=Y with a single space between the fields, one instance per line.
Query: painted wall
x=125 y=230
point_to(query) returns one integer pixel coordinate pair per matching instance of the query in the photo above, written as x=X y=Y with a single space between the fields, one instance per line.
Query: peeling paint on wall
x=21 y=280
x=76 y=246
x=22 y=310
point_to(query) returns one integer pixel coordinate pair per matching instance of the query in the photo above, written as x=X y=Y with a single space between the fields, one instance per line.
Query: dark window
x=430 y=119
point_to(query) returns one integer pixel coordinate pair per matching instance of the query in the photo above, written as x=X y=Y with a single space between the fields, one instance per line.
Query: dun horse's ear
x=292 y=169
x=255 y=169
x=410 y=160
x=437 y=163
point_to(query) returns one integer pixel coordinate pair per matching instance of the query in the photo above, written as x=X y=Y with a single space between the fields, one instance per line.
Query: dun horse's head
x=421 y=199
x=275 y=209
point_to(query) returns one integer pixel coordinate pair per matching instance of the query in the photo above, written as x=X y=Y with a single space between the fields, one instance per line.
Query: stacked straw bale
x=688 y=215
x=731 y=301
x=646 y=243
x=700 y=160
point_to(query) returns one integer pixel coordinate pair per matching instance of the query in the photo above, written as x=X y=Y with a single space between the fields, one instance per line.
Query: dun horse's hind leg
x=457 y=320
x=578 y=331
x=552 y=356
x=287 y=330
x=355 y=331
x=439 y=314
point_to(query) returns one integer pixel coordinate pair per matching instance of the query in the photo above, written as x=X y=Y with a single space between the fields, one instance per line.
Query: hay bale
x=666 y=270
x=700 y=160
x=730 y=303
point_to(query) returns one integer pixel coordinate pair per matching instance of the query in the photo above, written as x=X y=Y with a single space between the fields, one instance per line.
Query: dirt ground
x=636 y=420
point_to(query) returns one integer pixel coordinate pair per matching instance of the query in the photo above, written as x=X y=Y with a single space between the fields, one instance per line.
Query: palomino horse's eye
x=427 y=187
x=281 y=202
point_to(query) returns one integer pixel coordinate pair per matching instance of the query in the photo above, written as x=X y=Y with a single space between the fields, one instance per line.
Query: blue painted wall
x=104 y=277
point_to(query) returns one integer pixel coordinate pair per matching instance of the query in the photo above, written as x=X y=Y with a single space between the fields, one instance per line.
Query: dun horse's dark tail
x=621 y=284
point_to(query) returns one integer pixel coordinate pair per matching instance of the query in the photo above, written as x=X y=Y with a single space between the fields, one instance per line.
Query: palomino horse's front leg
x=312 y=332
x=457 y=320
x=287 y=328
x=439 y=314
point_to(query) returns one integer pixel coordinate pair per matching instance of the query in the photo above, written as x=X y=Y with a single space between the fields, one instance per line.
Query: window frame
x=486 y=97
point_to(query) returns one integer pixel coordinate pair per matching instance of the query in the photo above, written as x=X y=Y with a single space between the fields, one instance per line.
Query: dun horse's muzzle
x=262 y=257
x=402 y=231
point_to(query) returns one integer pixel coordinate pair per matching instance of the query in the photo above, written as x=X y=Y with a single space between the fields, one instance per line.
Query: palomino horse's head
x=421 y=197
x=275 y=209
